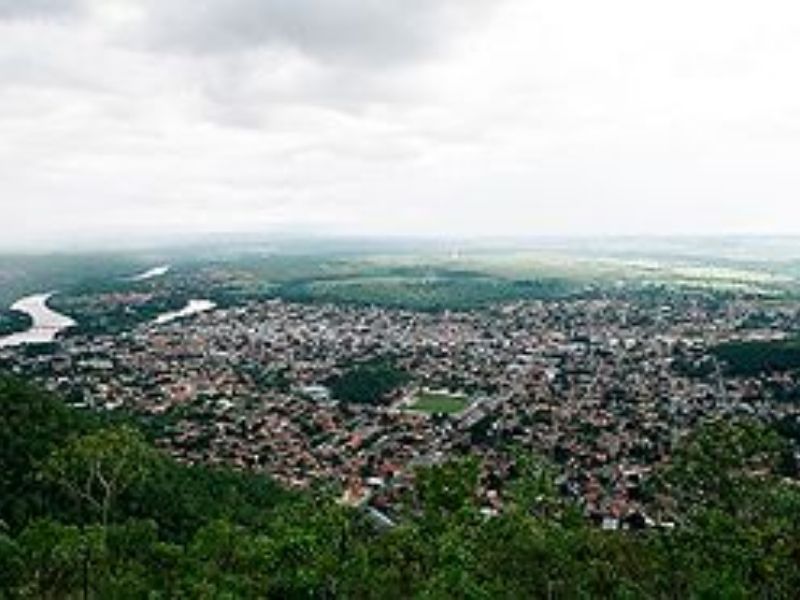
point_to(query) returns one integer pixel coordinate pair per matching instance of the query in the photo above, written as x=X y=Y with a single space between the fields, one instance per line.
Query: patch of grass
x=439 y=402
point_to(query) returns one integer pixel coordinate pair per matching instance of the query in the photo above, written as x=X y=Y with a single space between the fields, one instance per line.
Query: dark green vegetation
x=95 y=317
x=12 y=321
x=21 y=275
x=442 y=290
x=427 y=283
x=754 y=358
x=88 y=506
x=367 y=383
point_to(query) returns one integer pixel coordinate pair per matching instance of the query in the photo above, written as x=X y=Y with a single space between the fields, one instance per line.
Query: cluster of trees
x=367 y=382
x=757 y=357
x=441 y=291
x=90 y=508
x=12 y=321
x=23 y=274
x=95 y=318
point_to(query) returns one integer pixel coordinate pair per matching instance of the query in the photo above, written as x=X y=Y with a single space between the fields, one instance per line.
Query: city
x=399 y=299
x=604 y=387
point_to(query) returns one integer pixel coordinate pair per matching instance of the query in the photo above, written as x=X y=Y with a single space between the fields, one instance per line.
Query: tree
x=368 y=383
x=726 y=465
x=32 y=424
x=11 y=563
x=54 y=556
x=533 y=490
x=96 y=468
x=447 y=491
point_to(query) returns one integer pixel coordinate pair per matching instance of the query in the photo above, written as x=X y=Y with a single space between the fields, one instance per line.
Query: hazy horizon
x=756 y=248
x=124 y=122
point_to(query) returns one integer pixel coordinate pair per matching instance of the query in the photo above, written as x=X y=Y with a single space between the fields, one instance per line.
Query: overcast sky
x=456 y=117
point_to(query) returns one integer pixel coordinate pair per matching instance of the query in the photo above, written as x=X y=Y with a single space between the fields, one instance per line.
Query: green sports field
x=439 y=402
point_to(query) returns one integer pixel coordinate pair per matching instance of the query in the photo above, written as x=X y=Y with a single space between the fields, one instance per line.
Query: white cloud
x=399 y=117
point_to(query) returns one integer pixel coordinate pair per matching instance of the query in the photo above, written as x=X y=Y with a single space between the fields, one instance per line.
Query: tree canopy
x=88 y=505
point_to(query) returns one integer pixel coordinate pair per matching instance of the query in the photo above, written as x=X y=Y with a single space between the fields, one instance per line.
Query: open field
x=439 y=402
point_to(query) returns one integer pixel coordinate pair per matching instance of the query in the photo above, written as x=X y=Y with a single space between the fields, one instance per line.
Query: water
x=151 y=273
x=47 y=323
x=193 y=307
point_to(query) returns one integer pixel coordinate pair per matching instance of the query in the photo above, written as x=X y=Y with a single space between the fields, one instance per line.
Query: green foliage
x=109 y=318
x=12 y=321
x=436 y=291
x=446 y=491
x=11 y=562
x=180 y=531
x=367 y=383
x=725 y=465
x=31 y=273
x=754 y=358
x=32 y=426
x=96 y=468
x=183 y=498
x=53 y=553
x=532 y=491
x=439 y=403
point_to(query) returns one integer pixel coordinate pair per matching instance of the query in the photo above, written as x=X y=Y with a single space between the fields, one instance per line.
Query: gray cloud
x=10 y=9
x=331 y=31
x=421 y=116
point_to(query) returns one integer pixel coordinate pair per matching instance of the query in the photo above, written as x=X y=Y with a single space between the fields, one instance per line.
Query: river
x=47 y=323
x=193 y=307
x=159 y=271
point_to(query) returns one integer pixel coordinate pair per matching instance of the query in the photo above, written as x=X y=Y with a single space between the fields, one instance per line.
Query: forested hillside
x=89 y=506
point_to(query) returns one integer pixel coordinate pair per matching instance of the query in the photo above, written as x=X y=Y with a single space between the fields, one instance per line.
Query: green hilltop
x=89 y=508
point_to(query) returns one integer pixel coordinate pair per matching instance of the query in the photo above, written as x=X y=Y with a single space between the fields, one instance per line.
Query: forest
x=12 y=321
x=750 y=358
x=89 y=507
x=367 y=382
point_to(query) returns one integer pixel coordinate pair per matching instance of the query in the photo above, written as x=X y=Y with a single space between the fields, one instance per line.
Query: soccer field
x=439 y=402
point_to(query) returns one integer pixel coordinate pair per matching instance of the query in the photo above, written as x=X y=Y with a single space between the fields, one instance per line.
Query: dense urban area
x=582 y=410
x=308 y=393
